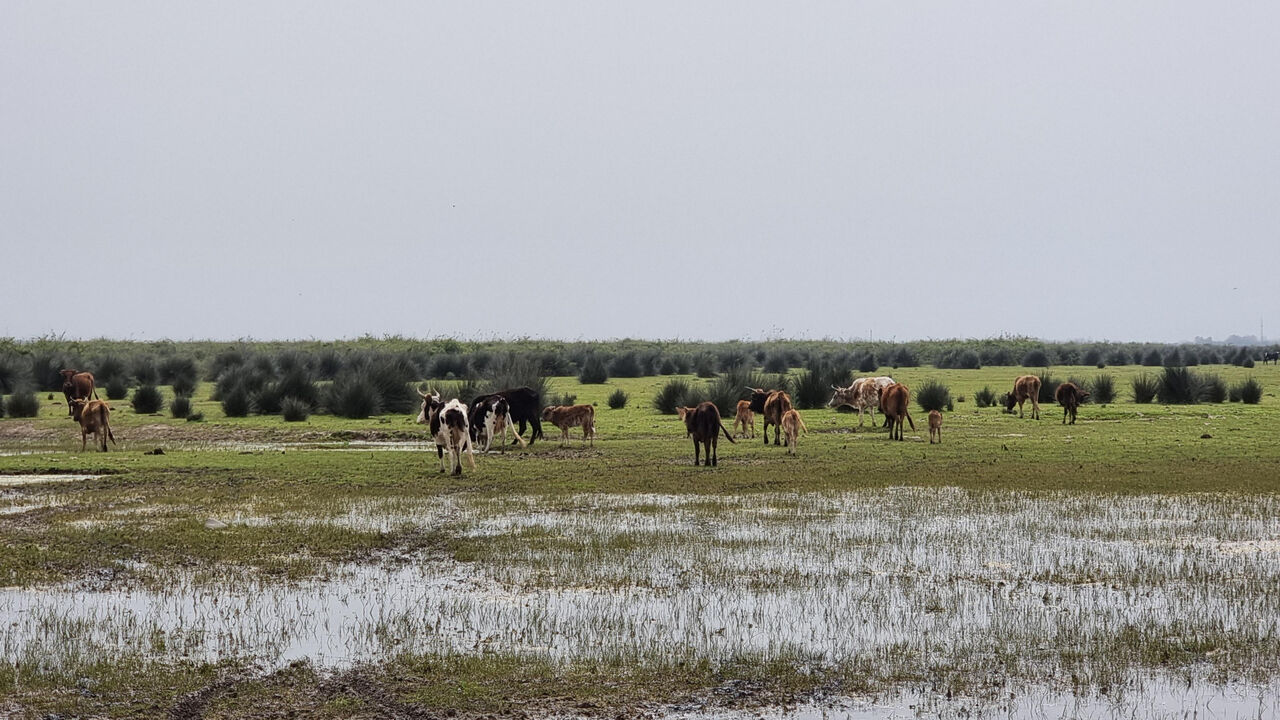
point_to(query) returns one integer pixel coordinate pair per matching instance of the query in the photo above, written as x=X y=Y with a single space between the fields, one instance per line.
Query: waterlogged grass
x=1017 y=553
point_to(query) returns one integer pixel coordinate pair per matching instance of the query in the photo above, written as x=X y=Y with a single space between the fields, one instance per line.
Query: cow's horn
x=424 y=395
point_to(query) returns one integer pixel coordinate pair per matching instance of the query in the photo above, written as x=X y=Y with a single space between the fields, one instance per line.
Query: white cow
x=448 y=425
x=863 y=394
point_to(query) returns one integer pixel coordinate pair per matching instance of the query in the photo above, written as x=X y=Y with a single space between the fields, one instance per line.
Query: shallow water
x=15 y=480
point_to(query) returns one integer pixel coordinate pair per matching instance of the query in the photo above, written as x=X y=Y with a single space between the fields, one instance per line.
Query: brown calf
x=792 y=425
x=772 y=404
x=1026 y=387
x=1070 y=396
x=745 y=418
x=77 y=386
x=94 y=417
x=895 y=403
x=935 y=426
x=571 y=416
x=703 y=425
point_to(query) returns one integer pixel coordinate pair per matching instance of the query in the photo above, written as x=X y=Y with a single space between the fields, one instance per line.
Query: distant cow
x=895 y=401
x=935 y=426
x=772 y=405
x=491 y=421
x=1271 y=355
x=863 y=394
x=745 y=418
x=525 y=406
x=792 y=426
x=77 y=386
x=1026 y=387
x=566 y=417
x=1070 y=396
x=449 y=428
x=94 y=417
x=703 y=425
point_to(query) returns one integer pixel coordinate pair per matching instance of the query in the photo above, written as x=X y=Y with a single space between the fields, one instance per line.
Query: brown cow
x=703 y=425
x=792 y=425
x=935 y=426
x=77 y=386
x=895 y=403
x=94 y=417
x=1070 y=396
x=745 y=418
x=772 y=404
x=1026 y=387
x=571 y=416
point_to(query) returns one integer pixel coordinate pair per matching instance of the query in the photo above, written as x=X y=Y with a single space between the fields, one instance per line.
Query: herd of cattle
x=457 y=428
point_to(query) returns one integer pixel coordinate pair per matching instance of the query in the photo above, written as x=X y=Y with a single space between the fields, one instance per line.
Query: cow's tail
x=726 y=432
x=802 y=425
x=104 y=417
x=909 y=420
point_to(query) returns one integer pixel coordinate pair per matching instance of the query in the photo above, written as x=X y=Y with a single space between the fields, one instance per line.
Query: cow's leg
x=696 y=453
x=765 y=432
x=1035 y=408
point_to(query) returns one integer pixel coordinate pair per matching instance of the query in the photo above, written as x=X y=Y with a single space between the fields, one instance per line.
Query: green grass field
x=1028 y=551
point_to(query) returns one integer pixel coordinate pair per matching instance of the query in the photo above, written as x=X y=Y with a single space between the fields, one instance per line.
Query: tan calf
x=935 y=426
x=566 y=417
x=792 y=425
x=745 y=418
x=94 y=417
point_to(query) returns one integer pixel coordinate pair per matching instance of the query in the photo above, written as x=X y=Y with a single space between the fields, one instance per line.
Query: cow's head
x=1084 y=395
x=688 y=415
x=547 y=411
x=758 y=396
x=66 y=377
x=1009 y=402
x=430 y=403
x=77 y=408
x=842 y=396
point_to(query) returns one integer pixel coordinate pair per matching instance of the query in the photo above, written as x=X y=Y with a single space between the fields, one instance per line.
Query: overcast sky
x=1100 y=170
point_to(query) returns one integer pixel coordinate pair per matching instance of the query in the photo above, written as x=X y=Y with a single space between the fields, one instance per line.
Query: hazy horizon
x=716 y=170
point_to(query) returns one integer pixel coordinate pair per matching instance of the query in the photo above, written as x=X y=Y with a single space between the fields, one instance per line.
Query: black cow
x=1272 y=355
x=703 y=425
x=526 y=407
x=1069 y=396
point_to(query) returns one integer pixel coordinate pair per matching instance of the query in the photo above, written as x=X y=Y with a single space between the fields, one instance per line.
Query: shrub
x=594 y=371
x=195 y=417
x=1152 y=359
x=733 y=358
x=959 y=359
x=704 y=366
x=1250 y=391
x=1118 y=358
x=144 y=370
x=1213 y=388
x=933 y=395
x=562 y=399
x=117 y=388
x=12 y=371
x=180 y=407
x=246 y=377
x=996 y=356
x=46 y=369
x=1048 y=386
x=986 y=397
x=296 y=382
x=267 y=401
x=1144 y=388
x=1092 y=356
x=1172 y=359
x=328 y=363
x=174 y=367
x=667 y=366
x=904 y=357
x=618 y=399
x=677 y=393
x=236 y=402
x=391 y=376
x=184 y=385
x=295 y=410
x=1190 y=358
x=1068 y=355
x=726 y=390
x=1247 y=363
x=868 y=364
x=448 y=365
x=1035 y=358
x=109 y=367
x=147 y=399
x=776 y=362
x=23 y=404
x=813 y=387
x=1104 y=389
x=626 y=365
x=1179 y=386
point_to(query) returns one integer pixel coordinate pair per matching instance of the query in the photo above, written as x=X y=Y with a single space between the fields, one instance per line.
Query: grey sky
x=593 y=170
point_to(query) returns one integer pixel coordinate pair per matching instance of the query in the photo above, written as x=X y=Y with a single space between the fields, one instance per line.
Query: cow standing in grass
x=703 y=425
x=94 y=417
x=1026 y=387
x=449 y=427
x=772 y=405
x=1069 y=396
x=77 y=386
x=935 y=426
x=863 y=394
x=792 y=426
x=745 y=418
x=895 y=402
x=567 y=417
x=524 y=405
x=490 y=422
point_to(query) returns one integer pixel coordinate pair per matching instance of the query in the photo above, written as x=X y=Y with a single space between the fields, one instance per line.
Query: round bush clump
x=23 y=404
x=180 y=407
x=117 y=388
x=236 y=402
x=618 y=399
x=184 y=385
x=294 y=410
x=147 y=399
x=933 y=395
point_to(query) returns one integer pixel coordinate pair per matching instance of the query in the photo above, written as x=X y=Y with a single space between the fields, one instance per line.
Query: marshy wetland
x=1128 y=565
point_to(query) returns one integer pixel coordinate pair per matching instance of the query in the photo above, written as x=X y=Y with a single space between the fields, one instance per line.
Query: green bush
x=1048 y=386
x=23 y=404
x=295 y=409
x=1035 y=358
x=868 y=364
x=618 y=399
x=776 y=362
x=144 y=371
x=180 y=407
x=933 y=395
x=1152 y=358
x=562 y=399
x=1093 y=356
x=1118 y=358
x=731 y=386
x=1173 y=359
x=1213 y=388
x=184 y=385
x=704 y=366
x=147 y=399
x=117 y=388
x=1179 y=386
x=959 y=359
x=1144 y=388
x=594 y=371
x=626 y=365
x=236 y=402
x=677 y=393
x=813 y=386
x=986 y=397
x=1103 y=389
x=1249 y=391
x=905 y=357
x=109 y=367
x=12 y=372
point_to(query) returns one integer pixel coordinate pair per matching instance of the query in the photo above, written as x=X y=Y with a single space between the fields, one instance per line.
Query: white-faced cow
x=863 y=394
x=448 y=424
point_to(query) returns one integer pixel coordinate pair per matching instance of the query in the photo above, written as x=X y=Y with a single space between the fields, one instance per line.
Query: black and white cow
x=448 y=424
x=490 y=421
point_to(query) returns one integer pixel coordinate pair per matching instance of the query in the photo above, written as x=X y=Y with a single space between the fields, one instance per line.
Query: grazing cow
x=935 y=426
x=566 y=417
x=77 y=386
x=491 y=421
x=524 y=406
x=1271 y=355
x=792 y=425
x=895 y=401
x=1026 y=387
x=94 y=417
x=772 y=404
x=447 y=422
x=703 y=425
x=746 y=418
x=863 y=394
x=1070 y=396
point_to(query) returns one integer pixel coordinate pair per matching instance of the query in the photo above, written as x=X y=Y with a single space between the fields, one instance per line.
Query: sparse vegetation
x=1144 y=388
x=985 y=398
